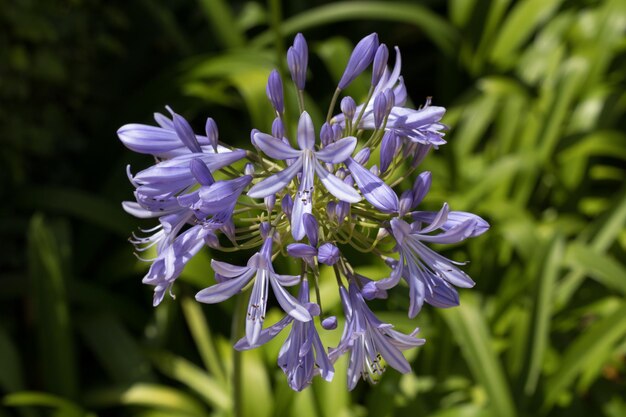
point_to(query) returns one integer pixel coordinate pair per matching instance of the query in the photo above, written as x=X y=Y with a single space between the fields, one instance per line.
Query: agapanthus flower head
x=307 y=198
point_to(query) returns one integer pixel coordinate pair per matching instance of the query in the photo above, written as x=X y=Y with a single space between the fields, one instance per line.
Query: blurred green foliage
x=536 y=99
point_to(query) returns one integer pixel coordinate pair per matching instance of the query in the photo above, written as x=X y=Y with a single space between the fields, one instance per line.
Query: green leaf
x=148 y=395
x=222 y=22
x=593 y=342
x=471 y=333
x=115 y=348
x=543 y=312
x=201 y=334
x=179 y=369
x=433 y=26
x=598 y=266
x=11 y=378
x=42 y=399
x=87 y=207
x=48 y=255
x=519 y=26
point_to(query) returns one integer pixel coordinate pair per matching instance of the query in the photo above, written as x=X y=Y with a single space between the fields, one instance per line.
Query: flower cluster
x=307 y=199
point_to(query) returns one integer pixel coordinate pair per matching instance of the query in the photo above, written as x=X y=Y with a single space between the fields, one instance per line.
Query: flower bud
x=361 y=58
x=310 y=228
x=330 y=323
x=348 y=107
x=380 y=63
x=278 y=128
x=248 y=169
x=328 y=254
x=297 y=61
x=388 y=149
x=270 y=202
x=274 y=91
x=201 y=172
x=212 y=132
x=362 y=156
x=287 y=205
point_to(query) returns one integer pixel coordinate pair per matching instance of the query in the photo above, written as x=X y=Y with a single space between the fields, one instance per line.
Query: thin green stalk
x=333 y=101
x=237 y=330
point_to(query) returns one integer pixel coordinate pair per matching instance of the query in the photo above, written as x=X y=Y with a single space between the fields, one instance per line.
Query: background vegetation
x=536 y=99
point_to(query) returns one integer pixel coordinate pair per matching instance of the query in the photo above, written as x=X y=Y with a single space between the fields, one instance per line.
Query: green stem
x=333 y=101
x=238 y=319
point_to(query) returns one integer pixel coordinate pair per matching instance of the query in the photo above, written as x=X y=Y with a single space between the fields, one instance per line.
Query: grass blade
x=470 y=331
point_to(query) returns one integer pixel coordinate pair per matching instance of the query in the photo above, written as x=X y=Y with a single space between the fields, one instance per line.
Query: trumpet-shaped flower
x=307 y=163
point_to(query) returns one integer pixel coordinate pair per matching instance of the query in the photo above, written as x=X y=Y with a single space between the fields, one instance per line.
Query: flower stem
x=332 y=105
x=236 y=331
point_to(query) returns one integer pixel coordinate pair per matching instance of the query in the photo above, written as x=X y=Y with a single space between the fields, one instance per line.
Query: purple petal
x=185 y=132
x=453 y=235
x=227 y=270
x=303 y=201
x=301 y=250
x=375 y=191
x=201 y=172
x=421 y=186
x=265 y=336
x=306 y=133
x=311 y=228
x=224 y=290
x=438 y=220
x=274 y=147
x=348 y=107
x=336 y=187
x=289 y=304
x=337 y=152
x=454 y=219
x=276 y=182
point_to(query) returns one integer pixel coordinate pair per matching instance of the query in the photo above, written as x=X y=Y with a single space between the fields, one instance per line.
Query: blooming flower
x=201 y=191
x=369 y=340
x=306 y=162
x=235 y=278
x=303 y=355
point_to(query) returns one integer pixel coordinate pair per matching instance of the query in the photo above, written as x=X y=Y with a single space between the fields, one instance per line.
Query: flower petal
x=337 y=152
x=375 y=191
x=224 y=290
x=336 y=187
x=275 y=183
x=289 y=303
x=274 y=147
x=227 y=270
x=306 y=133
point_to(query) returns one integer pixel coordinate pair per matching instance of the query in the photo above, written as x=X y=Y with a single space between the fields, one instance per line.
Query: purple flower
x=212 y=132
x=232 y=279
x=165 y=141
x=306 y=161
x=328 y=254
x=297 y=61
x=361 y=58
x=427 y=272
x=302 y=356
x=369 y=340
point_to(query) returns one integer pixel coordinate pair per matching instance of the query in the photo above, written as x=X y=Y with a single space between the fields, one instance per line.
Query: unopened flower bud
x=278 y=128
x=328 y=254
x=274 y=91
x=212 y=132
x=330 y=323
x=380 y=63
x=297 y=61
x=348 y=107
x=361 y=58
